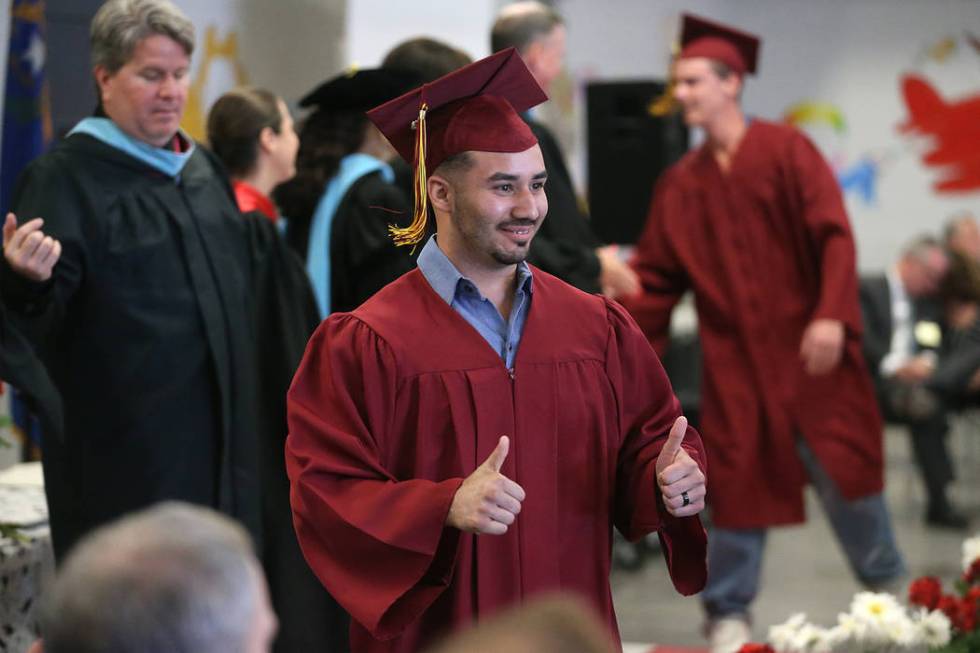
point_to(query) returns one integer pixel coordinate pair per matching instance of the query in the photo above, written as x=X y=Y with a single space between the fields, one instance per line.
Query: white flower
x=782 y=637
x=838 y=637
x=900 y=630
x=811 y=639
x=933 y=628
x=883 y=618
x=873 y=608
x=971 y=551
x=850 y=629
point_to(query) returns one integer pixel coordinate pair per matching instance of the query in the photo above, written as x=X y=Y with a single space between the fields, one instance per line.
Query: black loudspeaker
x=629 y=148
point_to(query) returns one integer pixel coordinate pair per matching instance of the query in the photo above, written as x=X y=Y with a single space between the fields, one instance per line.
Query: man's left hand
x=679 y=477
x=822 y=346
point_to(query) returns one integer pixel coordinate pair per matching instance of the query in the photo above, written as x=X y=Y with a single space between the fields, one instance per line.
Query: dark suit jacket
x=876 y=312
x=958 y=354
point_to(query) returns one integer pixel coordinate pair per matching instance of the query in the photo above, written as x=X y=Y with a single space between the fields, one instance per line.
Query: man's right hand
x=616 y=278
x=487 y=502
x=917 y=370
x=28 y=251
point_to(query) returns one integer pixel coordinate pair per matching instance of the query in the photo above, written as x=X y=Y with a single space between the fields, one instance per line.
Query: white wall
x=287 y=47
x=374 y=26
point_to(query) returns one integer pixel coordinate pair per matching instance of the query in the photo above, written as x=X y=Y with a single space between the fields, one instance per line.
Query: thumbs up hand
x=679 y=478
x=487 y=502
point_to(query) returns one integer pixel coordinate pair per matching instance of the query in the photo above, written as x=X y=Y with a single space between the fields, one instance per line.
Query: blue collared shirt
x=465 y=298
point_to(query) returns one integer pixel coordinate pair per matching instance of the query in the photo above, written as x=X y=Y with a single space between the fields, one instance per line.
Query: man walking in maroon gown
x=754 y=224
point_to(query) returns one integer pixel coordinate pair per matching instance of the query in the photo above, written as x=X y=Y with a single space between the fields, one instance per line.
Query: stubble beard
x=468 y=223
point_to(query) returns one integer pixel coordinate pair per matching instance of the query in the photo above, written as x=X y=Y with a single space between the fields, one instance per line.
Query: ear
x=440 y=193
x=733 y=85
x=102 y=79
x=532 y=53
x=267 y=139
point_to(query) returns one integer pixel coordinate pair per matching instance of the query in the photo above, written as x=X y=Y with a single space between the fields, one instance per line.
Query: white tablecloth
x=26 y=556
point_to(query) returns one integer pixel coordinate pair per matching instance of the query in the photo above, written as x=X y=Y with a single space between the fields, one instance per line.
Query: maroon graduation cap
x=476 y=108
x=704 y=38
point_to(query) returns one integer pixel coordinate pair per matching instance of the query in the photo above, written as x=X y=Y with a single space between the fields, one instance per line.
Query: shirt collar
x=444 y=278
x=250 y=198
x=895 y=285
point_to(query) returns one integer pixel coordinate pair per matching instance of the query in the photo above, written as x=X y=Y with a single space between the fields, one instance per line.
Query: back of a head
x=235 y=123
x=962 y=233
x=521 y=23
x=426 y=57
x=551 y=624
x=325 y=138
x=173 y=578
x=120 y=25
x=961 y=284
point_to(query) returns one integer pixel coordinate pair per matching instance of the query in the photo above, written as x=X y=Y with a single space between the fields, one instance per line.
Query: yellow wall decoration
x=195 y=114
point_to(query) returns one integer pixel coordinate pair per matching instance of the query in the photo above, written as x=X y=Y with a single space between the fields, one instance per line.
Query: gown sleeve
x=379 y=544
x=662 y=276
x=647 y=410
x=47 y=192
x=825 y=218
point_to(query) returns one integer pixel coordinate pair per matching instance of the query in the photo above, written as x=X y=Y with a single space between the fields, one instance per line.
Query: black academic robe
x=145 y=329
x=286 y=316
x=21 y=368
x=363 y=258
x=564 y=244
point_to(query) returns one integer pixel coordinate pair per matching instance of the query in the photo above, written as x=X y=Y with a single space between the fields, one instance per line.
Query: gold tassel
x=415 y=232
x=664 y=104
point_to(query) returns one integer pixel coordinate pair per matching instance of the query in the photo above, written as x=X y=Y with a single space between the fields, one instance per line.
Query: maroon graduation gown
x=395 y=403
x=766 y=248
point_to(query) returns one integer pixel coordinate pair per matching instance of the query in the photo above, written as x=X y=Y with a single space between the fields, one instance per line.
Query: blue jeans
x=862 y=526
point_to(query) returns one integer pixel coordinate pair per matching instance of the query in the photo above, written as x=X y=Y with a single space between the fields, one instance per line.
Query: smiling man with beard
x=468 y=437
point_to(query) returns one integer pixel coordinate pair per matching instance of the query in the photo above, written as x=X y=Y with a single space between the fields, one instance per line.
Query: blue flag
x=26 y=130
x=27 y=111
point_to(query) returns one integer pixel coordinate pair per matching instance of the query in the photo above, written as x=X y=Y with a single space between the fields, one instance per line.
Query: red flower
x=925 y=591
x=949 y=605
x=752 y=647
x=963 y=615
x=973 y=594
x=972 y=575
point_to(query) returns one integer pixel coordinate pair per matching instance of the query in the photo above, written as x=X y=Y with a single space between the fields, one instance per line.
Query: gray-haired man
x=143 y=322
x=565 y=245
x=171 y=578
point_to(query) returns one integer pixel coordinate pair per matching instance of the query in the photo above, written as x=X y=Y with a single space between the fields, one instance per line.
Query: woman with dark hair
x=251 y=131
x=342 y=199
x=957 y=375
